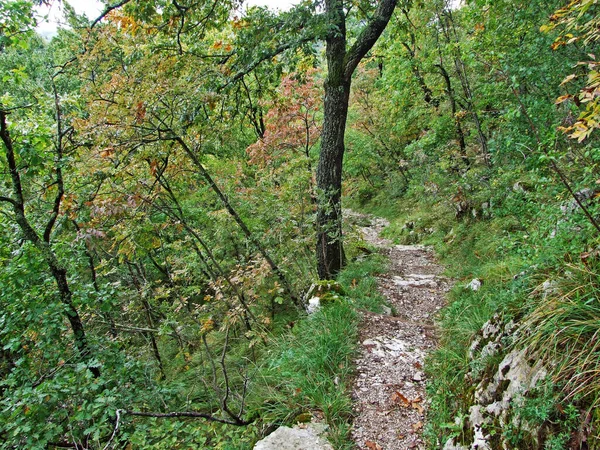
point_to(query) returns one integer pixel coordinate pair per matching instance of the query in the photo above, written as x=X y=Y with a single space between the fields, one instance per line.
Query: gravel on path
x=389 y=388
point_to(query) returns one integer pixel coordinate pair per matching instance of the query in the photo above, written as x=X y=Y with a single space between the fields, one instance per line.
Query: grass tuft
x=307 y=369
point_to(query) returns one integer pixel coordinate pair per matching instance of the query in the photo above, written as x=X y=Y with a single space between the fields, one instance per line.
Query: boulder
x=301 y=437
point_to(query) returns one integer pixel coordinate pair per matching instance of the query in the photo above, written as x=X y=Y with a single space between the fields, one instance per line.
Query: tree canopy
x=172 y=175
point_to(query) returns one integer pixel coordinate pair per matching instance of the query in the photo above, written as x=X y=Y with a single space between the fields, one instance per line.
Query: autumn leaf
x=562 y=98
x=140 y=112
x=569 y=78
x=373 y=445
x=207 y=326
x=397 y=397
x=417 y=426
x=417 y=405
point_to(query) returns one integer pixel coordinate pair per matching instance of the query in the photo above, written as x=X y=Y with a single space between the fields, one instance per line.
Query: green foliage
x=510 y=219
x=181 y=310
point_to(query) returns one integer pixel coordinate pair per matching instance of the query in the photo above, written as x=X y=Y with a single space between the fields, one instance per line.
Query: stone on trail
x=301 y=437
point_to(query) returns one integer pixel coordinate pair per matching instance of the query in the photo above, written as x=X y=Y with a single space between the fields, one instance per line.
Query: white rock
x=409 y=248
x=301 y=437
x=313 y=305
x=395 y=345
x=491 y=328
x=480 y=440
x=450 y=445
x=386 y=310
x=474 y=285
x=415 y=281
x=549 y=287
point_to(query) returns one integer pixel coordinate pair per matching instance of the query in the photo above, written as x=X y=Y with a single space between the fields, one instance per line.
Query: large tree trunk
x=330 y=251
x=341 y=64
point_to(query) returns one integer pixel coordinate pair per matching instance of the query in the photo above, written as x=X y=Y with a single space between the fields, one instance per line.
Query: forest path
x=389 y=389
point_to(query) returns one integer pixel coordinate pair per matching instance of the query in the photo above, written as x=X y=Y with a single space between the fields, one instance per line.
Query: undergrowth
x=538 y=267
x=305 y=374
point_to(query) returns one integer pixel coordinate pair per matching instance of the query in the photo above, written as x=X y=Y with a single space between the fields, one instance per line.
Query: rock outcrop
x=500 y=389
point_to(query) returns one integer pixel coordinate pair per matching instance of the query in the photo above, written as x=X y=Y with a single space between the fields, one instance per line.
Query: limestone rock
x=474 y=285
x=313 y=305
x=450 y=445
x=301 y=437
x=500 y=388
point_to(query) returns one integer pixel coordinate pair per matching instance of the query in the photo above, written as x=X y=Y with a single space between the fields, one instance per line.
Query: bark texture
x=341 y=63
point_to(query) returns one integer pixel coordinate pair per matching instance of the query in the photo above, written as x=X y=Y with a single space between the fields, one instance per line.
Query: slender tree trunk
x=58 y=272
x=459 y=131
x=453 y=40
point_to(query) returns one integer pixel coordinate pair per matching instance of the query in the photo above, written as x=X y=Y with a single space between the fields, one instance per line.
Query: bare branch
x=115 y=430
x=171 y=415
x=108 y=10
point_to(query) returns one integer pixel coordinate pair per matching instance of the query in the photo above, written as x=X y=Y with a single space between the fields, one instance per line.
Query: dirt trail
x=389 y=390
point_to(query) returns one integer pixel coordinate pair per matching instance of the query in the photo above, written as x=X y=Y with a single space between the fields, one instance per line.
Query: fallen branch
x=115 y=430
x=209 y=417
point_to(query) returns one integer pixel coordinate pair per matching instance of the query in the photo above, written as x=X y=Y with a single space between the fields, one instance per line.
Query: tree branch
x=108 y=10
x=59 y=176
x=369 y=36
x=171 y=415
x=8 y=200
x=266 y=56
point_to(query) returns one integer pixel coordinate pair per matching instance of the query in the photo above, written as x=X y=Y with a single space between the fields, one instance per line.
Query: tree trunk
x=341 y=64
x=59 y=273
x=460 y=135
x=330 y=250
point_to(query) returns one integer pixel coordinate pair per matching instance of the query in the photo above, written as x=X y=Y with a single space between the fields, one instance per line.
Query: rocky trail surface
x=389 y=388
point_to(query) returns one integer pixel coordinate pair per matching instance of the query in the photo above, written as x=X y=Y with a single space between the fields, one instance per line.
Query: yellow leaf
x=562 y=99
x=569 y=78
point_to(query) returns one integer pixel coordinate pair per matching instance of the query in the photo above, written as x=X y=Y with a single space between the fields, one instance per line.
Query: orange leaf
x=397 y=397
x=562 y=98
x=417 y=426
x=373 y=445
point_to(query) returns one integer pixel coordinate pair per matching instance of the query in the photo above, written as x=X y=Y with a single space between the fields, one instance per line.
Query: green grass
x=512 y=253
x=307 y=370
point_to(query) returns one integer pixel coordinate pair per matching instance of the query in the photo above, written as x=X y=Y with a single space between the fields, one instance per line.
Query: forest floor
x=389 y=388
